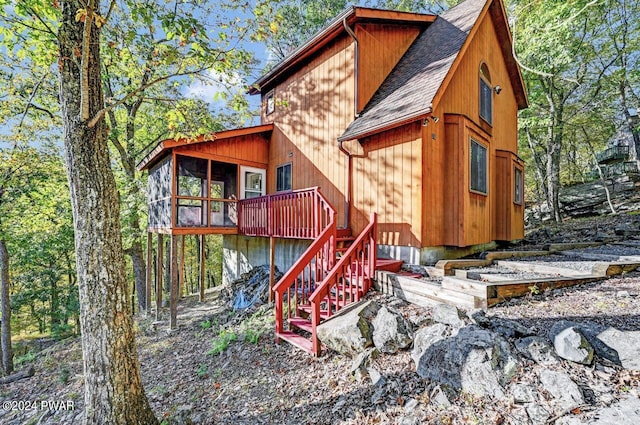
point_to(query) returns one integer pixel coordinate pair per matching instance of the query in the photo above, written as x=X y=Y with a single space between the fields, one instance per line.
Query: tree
x=187 y=45
x=559 y=46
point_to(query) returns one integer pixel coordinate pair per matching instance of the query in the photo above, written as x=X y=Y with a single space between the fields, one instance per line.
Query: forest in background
x=580 y=61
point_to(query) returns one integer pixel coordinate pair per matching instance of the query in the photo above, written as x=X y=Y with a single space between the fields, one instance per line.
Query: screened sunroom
x=194 y=187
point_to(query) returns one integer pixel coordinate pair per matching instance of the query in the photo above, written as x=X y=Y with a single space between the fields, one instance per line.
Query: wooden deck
x=501 y=275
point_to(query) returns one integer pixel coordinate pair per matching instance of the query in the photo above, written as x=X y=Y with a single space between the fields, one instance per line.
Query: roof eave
x=499 y=15
x=333 y=29
x=164 y=146
x=386 y=126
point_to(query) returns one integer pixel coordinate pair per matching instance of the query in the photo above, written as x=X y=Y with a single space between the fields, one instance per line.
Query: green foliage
x=206 y=324
x=579 y=62
x=64 y=374
x=222 y=341
x=202 y=371
x=26 y=358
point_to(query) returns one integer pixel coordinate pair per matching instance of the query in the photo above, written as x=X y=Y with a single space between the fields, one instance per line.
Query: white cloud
x=214 y=86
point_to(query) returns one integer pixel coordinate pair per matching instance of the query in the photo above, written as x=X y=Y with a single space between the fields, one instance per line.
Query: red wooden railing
x=301 y=280
x=347 y=282
x=300 y=214
x=317 y=284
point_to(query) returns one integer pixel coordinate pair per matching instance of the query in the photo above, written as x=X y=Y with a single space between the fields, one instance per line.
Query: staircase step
x=468 y=286
x=296 y=340
x=425 y=293
x=301 y=323
x=389 y=265
x=306 y=308
x=344 y=232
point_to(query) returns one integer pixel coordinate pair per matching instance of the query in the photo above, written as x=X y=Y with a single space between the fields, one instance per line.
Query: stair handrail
x=322 y=249
x=366 y=238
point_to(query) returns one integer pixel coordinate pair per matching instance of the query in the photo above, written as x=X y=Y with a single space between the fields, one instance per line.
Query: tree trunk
x=554 y=148
x=7 y=351
x=113 y=386
x=139 y=272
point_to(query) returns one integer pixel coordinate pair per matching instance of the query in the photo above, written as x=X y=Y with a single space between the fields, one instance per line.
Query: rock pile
x=457 y=353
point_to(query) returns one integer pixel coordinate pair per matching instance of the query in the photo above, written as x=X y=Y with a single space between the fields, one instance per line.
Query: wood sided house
x=387 y=135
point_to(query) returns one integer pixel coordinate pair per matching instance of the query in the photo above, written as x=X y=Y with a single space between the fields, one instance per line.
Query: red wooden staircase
x=336 y=269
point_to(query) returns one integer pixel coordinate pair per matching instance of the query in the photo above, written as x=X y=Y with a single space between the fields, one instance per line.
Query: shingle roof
x=410 y=88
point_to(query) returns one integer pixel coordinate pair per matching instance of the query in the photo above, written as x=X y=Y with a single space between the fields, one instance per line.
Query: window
x=283 y=178
x=252 y=182
x=271 y=103
x=486 y=95
x=517 y=186
x=478 y=168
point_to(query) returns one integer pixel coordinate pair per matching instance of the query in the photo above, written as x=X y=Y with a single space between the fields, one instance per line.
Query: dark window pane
x=478 y=167
x=283 y=178
x=486 y=99
x=517 y=189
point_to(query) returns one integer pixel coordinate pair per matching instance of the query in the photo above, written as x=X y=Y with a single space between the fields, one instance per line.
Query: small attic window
x=271 y=103
x=486 y=95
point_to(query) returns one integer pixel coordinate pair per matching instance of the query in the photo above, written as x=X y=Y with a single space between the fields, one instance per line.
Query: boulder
x=426 y=337
x=349 y=333
x=626 y=344
x=537 y=349
x=537 y=414
x=505 y=327
x=590 y=331
x=363 y=361
x=570 y=344
x=523 y=393
x=391 y=331
x=475 y=360
x=566 y=393
x=448 y=315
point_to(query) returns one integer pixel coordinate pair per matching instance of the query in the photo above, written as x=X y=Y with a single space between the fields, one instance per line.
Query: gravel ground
x=224 y=368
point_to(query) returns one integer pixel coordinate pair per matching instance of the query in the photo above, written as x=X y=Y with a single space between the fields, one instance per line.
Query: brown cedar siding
x=410 y=170
x=478 y=215
x=316 y=104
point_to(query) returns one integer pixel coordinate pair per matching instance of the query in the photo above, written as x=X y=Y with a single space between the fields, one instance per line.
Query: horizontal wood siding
x=469 y=218
x=246 y=150
x=387 y=179
x=381 y=47
x=313 y=107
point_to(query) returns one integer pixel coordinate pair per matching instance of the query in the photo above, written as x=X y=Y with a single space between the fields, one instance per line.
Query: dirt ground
x=223 y=367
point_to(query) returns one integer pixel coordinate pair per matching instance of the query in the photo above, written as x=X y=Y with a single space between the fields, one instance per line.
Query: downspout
x=356 y=70
x=347 y=196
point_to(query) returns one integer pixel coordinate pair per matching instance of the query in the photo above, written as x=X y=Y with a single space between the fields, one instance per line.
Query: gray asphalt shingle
x=410 y=88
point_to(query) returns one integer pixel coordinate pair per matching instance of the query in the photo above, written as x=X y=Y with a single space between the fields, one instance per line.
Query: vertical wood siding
x=387 y=176
x=313 y=107
x=459 y=217
x=381 y=47
x=252 y=149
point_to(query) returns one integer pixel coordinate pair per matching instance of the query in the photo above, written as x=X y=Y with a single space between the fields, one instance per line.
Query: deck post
x=175 y=284
x=147 y=306
x=202 y=266
x=182 y=286
x=159 y=274
x=272 y=256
